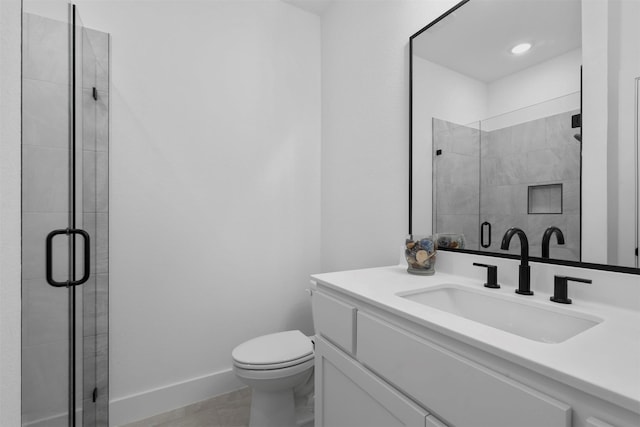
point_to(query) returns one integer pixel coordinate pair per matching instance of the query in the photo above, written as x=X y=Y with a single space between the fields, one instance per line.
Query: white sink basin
x=526 y=319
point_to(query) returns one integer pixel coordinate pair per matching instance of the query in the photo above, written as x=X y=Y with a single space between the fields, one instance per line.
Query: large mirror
x=524 y=114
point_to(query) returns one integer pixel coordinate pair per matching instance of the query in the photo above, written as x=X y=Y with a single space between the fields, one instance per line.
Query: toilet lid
x=274 y=349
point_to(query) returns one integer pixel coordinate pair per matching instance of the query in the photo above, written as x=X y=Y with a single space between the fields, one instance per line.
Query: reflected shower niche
x=545 y=199
x=520 y=169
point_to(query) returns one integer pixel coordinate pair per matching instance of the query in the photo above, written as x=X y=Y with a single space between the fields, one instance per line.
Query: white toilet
x=273 y=366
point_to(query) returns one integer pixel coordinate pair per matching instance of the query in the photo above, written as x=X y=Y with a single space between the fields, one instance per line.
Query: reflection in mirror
x=517 y=173
x=497 y=138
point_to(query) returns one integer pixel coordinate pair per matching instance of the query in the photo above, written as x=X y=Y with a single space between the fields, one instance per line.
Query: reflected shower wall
x=456 y=177
x=520 y=169
x=530 y=179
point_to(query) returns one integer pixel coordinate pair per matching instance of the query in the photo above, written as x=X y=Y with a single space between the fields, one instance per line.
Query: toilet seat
x=272 y=366
x=277 y=374
x=273 y=351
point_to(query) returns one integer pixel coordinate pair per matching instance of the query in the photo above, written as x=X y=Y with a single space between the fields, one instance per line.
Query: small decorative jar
x=450 y=240
x=420 y=252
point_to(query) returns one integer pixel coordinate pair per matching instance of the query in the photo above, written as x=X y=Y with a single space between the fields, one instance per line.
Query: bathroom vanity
x=496 y=142
x=400 y=350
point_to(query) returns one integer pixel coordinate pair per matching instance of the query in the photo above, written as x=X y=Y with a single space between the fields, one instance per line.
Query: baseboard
x=156 y=401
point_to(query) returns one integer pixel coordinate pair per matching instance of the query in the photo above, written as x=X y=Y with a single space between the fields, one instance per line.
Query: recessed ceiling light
x=520 y=48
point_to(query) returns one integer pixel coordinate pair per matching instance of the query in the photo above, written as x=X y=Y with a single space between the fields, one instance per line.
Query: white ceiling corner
x=317 y=7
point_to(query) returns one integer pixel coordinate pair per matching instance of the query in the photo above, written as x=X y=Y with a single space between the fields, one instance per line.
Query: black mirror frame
x=605 y=267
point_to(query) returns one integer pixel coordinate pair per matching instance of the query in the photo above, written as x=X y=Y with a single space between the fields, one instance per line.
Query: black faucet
x=492 y=275
x=547 y=236
x=524 y=281
x=560 y=288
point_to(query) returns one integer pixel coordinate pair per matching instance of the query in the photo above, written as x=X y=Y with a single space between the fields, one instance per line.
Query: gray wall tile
x=35 y=228
x=45 y=179
x=44 y=380
x=99 y=42
x=45 y=318
x=45 y=50
x=45 y=114
x=102 y=121
x=88 y=120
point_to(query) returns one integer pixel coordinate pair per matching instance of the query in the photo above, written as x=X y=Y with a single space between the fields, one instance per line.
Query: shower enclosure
x=519 y=169
x=65 y=269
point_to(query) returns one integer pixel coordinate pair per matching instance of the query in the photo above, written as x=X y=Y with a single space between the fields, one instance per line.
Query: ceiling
x=476 y=39
x=314 y=6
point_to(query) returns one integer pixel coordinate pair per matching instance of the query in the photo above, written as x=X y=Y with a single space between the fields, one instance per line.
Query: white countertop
x=603 y=361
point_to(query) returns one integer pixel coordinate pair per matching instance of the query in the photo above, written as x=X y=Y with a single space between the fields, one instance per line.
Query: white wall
x=365 y=117
x=548 y=80
x=594 y=130
x=549 y=88
x=625 y=59
x=10 y=23
x=214 y=189
x=601 y=129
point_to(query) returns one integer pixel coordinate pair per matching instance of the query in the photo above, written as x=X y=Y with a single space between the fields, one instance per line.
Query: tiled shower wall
x=95 y=214
x=498 y=167
x=45 y=206
x=45 y=170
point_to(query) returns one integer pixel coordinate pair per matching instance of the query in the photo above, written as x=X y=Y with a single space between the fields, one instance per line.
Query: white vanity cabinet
x=354 y=397
x=376 y=369
x=347 y=393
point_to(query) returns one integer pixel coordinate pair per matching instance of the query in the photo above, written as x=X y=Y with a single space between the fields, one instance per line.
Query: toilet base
x=272 y=409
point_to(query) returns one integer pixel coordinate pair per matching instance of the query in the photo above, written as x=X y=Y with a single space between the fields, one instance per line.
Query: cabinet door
x=462 y=392
x=349 y=395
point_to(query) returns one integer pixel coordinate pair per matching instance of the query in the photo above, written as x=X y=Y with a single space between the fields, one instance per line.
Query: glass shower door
x=456 y=172
x=64 y=210
x=92 y=214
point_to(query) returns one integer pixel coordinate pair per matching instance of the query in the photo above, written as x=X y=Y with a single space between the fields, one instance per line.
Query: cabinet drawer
x=434 y=422
x=594 y=422
x=459 y=391
x=335 y=320
x=349 y=395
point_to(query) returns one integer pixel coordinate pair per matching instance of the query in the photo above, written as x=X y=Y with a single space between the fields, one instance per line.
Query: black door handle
x=488 y=224
x=49 y=257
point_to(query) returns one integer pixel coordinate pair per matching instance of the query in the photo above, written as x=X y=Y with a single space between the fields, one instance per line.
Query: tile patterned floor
x=225 y=410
